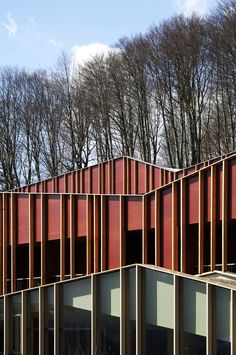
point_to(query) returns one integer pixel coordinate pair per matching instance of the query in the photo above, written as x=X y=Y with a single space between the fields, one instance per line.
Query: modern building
x=101 y=261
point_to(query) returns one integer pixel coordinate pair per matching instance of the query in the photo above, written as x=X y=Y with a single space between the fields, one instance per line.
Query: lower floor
x=131 y=310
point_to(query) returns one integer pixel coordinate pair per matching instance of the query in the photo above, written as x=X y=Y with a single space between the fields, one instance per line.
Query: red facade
x=119 y=212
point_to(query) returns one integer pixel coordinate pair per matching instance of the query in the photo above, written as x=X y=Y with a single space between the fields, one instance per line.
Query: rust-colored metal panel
x=41 y=186
x=166 y=227
x=9 y=222
x=207 y=193
x=131 y=176
x=53 y=217
x=113 y=231
x=49 y=185
x=192 y=187
x=22 y=219
x=151 y=210
x=38 y=218
x=33 y=188
x=141 y=178
x=190 y=170
x=232 y=189
x=219 y=192
x=61 y=184
x=69 y=183
x=94 y=177
x=106 y=178
x=157 y=173
x=81 y=216
x=134 y=213
x=180 y=174
x=85 y=173
x=119 y=168
x=67 y=216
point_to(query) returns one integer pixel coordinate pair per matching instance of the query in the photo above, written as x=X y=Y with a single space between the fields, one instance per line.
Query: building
x=101 y=261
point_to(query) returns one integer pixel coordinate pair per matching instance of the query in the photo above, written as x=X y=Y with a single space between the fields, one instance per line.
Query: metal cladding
x=117 y=213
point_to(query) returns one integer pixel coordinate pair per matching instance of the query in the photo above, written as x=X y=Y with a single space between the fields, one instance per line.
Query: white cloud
x=187 y=7
x=10 y=25
x=81 y=54
x=54 y=43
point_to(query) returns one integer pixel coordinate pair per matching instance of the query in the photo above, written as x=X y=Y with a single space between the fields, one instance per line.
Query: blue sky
x=33 y=34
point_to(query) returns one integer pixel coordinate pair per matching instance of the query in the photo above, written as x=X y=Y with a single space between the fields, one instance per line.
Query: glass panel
x=49 y=320
x=1 y=325
x=221 y=321
x=15 y=325
x=158 y=311
x=130 y=275
x=193 y=317
x=33 y=322
x=108 y=309
x=75 y=317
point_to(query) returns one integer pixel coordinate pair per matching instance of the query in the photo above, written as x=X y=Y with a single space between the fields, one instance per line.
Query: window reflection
x=33 y=322
x=15 y=325
x=130 y=276
x=75 y=318
x=108 y=309
x=221 y=321
x=193 y=317
x=158 y=301
x=49 y=320
x=1 y=326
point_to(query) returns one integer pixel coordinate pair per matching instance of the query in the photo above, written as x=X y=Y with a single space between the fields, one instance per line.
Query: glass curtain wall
x=15 y=346
x=33 y=322
x=1 y=325
x=157 y=312
x=221 y=321
x=75 y=317
x=108 y=314
x=192 y=317
x=130 y=311
x=49 y=320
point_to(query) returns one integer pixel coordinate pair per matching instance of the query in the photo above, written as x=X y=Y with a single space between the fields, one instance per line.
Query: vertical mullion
x=213 y=217
x=122 y=231
x=89 y=234
x=157 y=229
x=31 y=240
x=96 y=233
x=13 y=242
x=201 y=221
x=103 y=233
x=5 y=240
x=1 y=244
x=144 y=230
x=72 y=236
x=183 y=224
x=43 y=240
x=224 y=214
x=62 y=237
x=175 y=246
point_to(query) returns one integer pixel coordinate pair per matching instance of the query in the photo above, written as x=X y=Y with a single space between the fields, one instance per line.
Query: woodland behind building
x=167 y=97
